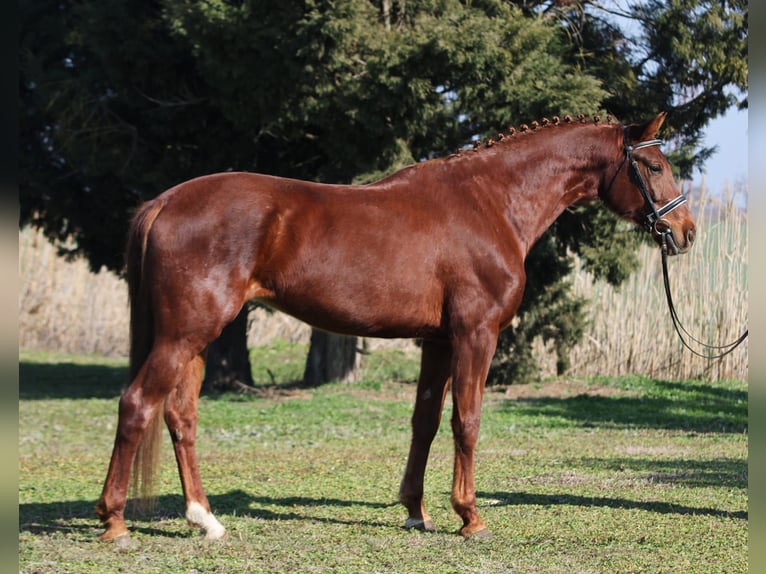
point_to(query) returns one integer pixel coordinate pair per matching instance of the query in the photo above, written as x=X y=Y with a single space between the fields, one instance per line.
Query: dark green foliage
x=112 y=113
x=605 y=243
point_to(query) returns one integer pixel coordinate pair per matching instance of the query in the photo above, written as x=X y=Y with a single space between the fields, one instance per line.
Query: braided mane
x=530 y=128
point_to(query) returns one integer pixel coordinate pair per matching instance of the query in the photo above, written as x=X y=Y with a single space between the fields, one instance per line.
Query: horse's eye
x=655 y=168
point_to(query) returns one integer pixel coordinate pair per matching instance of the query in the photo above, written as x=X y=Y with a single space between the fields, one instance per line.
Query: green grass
x=606 y=475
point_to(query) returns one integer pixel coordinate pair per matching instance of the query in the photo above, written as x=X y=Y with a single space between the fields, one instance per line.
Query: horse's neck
x=538 y=180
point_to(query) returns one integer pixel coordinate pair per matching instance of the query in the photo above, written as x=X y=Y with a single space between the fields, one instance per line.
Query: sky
x=728 y=165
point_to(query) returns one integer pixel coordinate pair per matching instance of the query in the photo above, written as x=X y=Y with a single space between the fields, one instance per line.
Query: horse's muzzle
x=669 y=239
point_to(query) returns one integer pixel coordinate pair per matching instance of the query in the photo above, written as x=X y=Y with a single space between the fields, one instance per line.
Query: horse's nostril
x=690 y=235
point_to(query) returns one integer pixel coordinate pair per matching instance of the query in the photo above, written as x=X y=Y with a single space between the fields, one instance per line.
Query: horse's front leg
x=472 y=357
x=181 y=420
x=435 y=366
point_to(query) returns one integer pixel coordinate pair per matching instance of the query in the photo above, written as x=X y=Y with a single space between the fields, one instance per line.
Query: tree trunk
x=228 y=363
x=331 y=358
x=385 y=13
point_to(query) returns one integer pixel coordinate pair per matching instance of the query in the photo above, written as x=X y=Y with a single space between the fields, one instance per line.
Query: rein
x=653 y=220
x=722 y=350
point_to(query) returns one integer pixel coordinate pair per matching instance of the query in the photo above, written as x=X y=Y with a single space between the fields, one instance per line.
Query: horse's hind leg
x=181 y=419
x=138 y=407
x=434 y=374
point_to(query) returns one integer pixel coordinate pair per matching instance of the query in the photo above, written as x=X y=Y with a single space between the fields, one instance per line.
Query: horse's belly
x=369 y=314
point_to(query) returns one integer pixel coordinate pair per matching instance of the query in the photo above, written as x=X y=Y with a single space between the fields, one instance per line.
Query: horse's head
x=643 y=189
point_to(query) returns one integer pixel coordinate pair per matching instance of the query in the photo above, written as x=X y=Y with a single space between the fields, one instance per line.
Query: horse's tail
x=146 y=463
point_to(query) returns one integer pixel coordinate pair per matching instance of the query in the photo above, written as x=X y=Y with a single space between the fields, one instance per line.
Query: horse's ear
x=652 y=128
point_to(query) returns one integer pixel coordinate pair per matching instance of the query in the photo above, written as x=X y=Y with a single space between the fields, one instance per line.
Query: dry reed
x=63 y=306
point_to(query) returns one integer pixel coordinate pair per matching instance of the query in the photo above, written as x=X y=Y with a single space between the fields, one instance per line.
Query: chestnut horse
x=435 y=251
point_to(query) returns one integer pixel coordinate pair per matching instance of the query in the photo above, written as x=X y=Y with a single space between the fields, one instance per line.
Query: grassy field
x=605 y=475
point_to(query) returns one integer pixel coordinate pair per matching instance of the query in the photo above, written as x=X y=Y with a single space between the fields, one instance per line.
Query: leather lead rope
x=721 y=350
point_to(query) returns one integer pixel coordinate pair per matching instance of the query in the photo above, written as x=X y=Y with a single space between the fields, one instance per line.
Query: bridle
x=654 y=217
x=654 y=223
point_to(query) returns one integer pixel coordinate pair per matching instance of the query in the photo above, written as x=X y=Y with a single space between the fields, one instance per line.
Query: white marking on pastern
x=198 y=516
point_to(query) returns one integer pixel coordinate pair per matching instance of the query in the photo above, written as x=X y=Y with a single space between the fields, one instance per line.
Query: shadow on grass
x=70 y=381
x=528 y=499
x=50 y=517
x=723 y=472
x=38 y=381
x=692 y=406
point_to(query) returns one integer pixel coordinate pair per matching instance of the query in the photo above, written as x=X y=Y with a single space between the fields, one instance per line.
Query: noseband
x=655 y=214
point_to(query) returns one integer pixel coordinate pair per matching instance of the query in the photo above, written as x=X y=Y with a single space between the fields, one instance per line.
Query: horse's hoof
x=114 y=533
x=482 y=533
x=215 y=533
x=419 y=524
x=124 y=541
